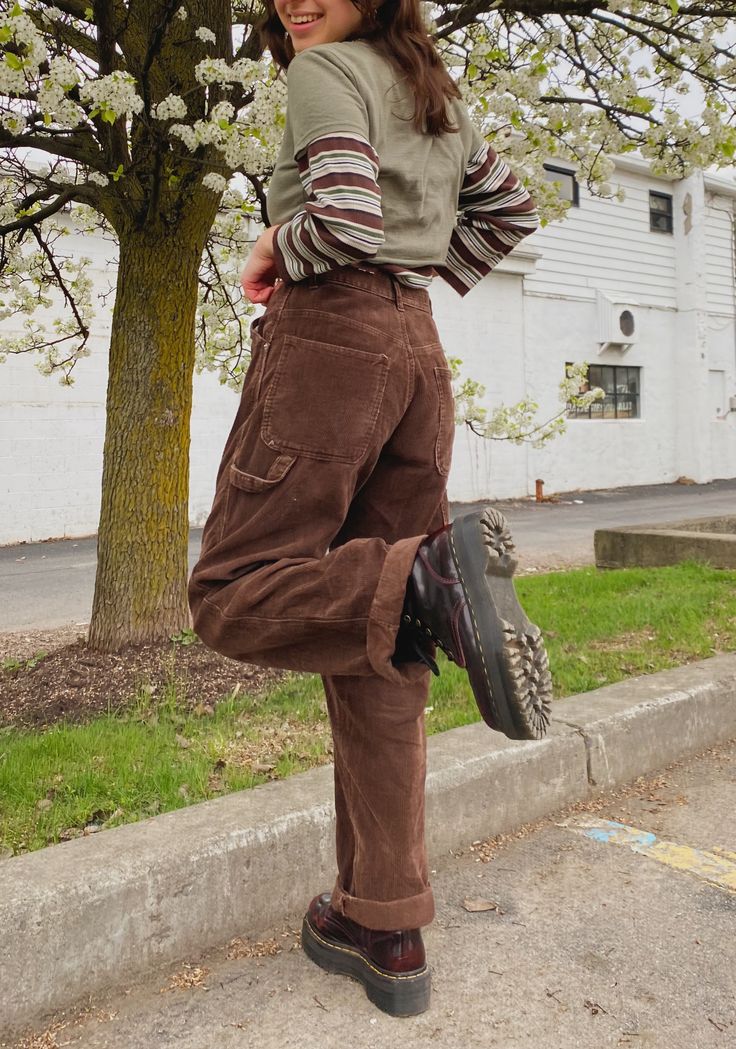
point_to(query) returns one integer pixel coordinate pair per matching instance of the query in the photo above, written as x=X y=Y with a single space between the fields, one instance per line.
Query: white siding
x=606 y=245
x=719 y=238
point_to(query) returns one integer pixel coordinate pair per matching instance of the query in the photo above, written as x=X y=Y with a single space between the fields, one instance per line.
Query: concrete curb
x=710 y=540
x=81 y=916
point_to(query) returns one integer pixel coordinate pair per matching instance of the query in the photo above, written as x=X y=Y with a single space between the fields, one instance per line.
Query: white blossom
x=12 y=122
x=223 y=111
x=62 y=77
x=215 y=182
x=213 y=71
x=173 y=106
x=29 y=52
x=113 y=95
x=51 y=14
x=182 y=14
x=98 y=178
x=206 y=35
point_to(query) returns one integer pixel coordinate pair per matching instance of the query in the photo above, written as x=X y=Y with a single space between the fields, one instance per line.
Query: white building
x=644 y=290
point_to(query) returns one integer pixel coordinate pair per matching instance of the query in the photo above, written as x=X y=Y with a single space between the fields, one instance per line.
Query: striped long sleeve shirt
x=342 y=222
x=496 y=212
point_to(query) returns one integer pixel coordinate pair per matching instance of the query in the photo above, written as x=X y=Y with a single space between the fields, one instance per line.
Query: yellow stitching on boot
x=357 y=954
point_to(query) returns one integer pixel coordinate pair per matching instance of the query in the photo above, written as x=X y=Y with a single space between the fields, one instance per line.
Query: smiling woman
x=310 y=22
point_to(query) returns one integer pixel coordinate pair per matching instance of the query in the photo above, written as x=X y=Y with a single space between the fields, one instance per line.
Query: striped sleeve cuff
x=496 y=214
x=341 y=222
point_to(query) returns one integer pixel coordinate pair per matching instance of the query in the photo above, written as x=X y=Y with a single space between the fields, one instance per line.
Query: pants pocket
x=446 y=428
x=248 y=482
x=323 y=401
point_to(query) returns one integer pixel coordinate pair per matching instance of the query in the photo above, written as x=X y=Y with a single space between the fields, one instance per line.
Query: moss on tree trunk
x=140 y=589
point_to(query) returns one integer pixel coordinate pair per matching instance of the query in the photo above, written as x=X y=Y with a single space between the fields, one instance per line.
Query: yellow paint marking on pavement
x=725 y=852
x=717 y=867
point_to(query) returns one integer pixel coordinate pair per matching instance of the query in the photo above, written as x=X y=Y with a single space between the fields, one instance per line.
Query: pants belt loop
x=398 y=297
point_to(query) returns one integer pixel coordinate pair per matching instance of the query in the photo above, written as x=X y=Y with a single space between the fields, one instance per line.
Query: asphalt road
x=594 y=944
x=50 y=585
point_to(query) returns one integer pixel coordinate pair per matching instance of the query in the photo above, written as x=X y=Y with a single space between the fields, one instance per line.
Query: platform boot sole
x=511 y=680
x=403 y=994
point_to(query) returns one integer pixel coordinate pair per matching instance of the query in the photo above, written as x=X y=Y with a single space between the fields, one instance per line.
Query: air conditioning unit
x=618 y=322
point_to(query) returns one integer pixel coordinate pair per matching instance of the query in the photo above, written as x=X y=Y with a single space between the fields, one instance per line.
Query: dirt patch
x=52 y=676
x=623 y=642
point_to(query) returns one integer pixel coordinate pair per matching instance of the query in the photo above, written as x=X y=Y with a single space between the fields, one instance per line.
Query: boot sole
x=404 y=994
x=512 y=683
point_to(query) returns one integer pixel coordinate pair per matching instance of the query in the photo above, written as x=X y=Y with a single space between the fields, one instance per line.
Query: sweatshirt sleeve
x=341 y=222
x=495 y=214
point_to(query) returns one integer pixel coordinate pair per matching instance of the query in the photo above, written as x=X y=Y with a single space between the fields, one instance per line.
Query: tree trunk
x=140 y=590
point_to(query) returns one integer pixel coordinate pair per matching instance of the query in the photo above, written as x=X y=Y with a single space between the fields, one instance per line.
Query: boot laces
x=420 y=637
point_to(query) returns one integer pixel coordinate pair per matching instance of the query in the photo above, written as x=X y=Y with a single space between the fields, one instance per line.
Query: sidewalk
x=50 y=585
x=99 y=911
x=591 y=945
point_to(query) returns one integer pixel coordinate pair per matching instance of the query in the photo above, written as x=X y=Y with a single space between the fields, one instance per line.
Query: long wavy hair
x=396 y=29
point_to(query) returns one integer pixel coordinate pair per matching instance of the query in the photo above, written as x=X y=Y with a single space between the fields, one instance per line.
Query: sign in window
x=621 y=386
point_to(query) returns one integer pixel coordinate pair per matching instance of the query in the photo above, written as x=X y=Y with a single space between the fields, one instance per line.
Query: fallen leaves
x=238 y=948
x=476 y=906
x=188 y=977
x=78 y=1018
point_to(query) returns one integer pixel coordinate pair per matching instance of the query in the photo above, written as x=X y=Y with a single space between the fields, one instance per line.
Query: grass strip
x=600 y=627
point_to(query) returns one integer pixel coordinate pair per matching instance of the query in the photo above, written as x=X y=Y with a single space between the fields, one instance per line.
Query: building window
x=660 y=212
x=567 y=184
x=622 y=390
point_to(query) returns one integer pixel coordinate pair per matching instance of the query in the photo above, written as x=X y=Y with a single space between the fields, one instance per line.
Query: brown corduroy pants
x=333 y=472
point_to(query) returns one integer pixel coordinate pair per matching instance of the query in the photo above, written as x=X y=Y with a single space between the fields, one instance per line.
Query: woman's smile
x=311 y=22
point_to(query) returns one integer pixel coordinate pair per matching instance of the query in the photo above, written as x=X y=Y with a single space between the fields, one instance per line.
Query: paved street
x=49 y=585
x=595 y=943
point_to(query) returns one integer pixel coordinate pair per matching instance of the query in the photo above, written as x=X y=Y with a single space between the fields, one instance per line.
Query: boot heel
x=499 y=543
x=514 y=657
x=407 y=997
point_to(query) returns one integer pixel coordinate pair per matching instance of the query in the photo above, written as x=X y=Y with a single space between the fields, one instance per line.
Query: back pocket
x=323 y=401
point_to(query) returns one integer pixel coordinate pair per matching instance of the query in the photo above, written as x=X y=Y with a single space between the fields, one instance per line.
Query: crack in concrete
x=588 y=749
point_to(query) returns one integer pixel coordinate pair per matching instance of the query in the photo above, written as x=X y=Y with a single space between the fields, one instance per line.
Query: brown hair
x=396 y=29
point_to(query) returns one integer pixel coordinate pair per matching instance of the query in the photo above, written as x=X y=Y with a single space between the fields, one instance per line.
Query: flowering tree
x=158 y=121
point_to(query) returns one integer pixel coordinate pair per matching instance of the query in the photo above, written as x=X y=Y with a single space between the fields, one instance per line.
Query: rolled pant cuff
x=385 y=915
x=384 y=617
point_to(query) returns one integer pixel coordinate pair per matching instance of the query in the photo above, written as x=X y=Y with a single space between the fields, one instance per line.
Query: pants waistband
x=375 y=281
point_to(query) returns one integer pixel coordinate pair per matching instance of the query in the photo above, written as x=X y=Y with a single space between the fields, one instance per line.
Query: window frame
x=575 y=200
x=596 y=411
x=668 y=215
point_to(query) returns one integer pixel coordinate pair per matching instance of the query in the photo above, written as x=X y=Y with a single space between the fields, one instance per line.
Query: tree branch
x=28 y=221
x=67 y=34
x=70 y=148
x=75 y=8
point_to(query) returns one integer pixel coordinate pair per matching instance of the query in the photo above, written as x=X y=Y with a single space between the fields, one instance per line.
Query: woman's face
x=310 y=22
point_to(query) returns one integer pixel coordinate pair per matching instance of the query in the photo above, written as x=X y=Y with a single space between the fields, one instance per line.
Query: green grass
x=600 y=627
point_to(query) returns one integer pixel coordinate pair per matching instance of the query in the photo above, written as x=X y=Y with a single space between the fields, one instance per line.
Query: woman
x=328 y=547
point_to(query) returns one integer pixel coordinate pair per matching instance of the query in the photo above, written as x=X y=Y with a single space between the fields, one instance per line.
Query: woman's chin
x=301 y=44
